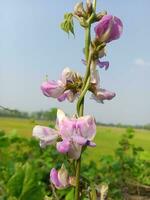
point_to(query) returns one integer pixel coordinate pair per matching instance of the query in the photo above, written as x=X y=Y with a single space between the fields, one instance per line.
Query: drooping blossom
x=108 y=28
x=98 y=93
x=62 y=89
x=60 y=178
x=102 y=95
x=73 y=133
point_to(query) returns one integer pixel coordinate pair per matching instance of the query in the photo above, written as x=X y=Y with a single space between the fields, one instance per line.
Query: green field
x=106 y=139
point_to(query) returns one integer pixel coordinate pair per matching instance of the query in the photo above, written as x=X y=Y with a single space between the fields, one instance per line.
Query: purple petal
x=54 y=177
x=53 y=88
x=86 y=127
x=105 y=94
x=102 y=25
x=102 y=94
x=103 y=64
x=63 y=147
x=67 y=128
x=91 y=144
x=62 y=97
x=83 y=61
x=79 y=139
x=108 y=28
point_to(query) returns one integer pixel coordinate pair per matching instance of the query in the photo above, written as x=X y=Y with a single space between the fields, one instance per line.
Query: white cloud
x=141 y=62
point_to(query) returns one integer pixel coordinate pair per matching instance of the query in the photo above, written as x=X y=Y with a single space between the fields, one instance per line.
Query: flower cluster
x=72 y=135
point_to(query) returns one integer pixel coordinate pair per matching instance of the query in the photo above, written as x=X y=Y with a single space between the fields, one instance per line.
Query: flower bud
x=72 y=180
x=100 y=15
x=108 y=28
x=60 y=178
x=89 y=6
x=101 y=94
x=79 y=10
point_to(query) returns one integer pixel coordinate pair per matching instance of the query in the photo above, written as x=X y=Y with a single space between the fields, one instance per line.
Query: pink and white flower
x=108 y=28
x=73 y=133
x=60 y=89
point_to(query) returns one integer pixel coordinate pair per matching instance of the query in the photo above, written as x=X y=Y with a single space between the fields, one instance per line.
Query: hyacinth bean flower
x=60 y=178
x=72 y=133
x=108 y=28
x=100 y=94
x=59 y=89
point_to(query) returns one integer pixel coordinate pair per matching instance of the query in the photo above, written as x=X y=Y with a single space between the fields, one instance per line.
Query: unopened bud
x=79 y=10
x=100 y=15
x=89 y=7
x=72 y=180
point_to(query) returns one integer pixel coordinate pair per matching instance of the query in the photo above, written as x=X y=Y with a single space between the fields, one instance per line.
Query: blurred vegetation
x=51 y=115
x=25 y=167
x=40 y=115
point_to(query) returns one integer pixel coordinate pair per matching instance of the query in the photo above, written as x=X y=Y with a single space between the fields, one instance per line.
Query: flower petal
x=103 y=64
x=79 y=139
x=91 y=144
x=86 y=127
x=54 y=178
x=75 y=150
x=63 y=176
x=46 y=135
x=65 y=125
x=53 y=88
x=108 y=28
x=63 y=147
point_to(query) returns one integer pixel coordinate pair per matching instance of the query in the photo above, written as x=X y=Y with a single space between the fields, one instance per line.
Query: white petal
x=63 y=176
x=45 y=134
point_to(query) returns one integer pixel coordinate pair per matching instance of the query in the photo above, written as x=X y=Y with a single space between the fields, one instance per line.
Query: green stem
x=80 y=103
x=77 y=189
x=87 y=41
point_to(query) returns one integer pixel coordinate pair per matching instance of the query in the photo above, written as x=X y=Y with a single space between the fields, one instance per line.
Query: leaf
x=15 y=183
x=4 y=141
x=67 y=25
x=24 y=184
x=70 y=195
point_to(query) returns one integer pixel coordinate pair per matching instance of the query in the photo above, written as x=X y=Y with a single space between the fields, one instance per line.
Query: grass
x=106 y=139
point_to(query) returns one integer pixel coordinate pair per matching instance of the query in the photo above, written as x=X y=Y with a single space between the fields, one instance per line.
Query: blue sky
x=32 y=45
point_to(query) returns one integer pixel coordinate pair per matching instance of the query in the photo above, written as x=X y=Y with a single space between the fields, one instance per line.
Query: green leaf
x=15 y=183
x=67 y=25
x=70 y=195
x=24 y=184
x=4 y=141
